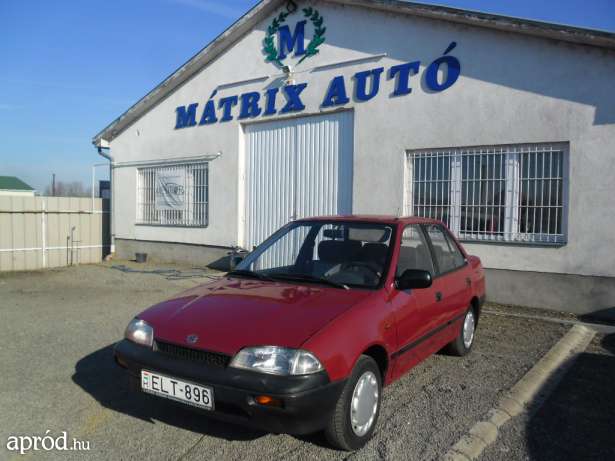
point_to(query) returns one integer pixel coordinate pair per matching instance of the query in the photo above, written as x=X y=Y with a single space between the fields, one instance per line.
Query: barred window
x=498 y=193
x=173 y=195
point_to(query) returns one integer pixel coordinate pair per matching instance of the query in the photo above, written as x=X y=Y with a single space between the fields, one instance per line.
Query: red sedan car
x=305 y=332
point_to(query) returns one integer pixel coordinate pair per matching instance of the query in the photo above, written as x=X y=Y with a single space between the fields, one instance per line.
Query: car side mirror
x=235 y=260
x=413 y=278
x=235 y=257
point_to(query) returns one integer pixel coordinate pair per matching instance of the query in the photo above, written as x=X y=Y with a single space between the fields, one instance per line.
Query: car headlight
x=138 y=331
x=277 y=361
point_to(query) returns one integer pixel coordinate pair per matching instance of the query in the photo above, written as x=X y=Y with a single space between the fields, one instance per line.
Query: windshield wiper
x=290 y=277
x=251 y=274
x=311 y=279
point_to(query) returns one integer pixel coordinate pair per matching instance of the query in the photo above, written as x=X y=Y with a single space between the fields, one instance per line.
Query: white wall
x=17 y=193
x=512 y=89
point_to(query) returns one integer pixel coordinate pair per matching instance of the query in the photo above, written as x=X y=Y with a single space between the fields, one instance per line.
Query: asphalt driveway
x=58 y=327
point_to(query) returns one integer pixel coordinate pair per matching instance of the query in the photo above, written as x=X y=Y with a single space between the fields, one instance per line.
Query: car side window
x=414 y=251
x=447 y=254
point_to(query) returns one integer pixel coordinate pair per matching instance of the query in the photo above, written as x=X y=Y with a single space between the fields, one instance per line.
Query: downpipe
x=107 y=155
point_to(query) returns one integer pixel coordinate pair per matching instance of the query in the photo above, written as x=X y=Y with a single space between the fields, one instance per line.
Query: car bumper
x=307 y=402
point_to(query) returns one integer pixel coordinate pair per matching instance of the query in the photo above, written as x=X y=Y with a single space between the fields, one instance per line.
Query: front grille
x=213 y=359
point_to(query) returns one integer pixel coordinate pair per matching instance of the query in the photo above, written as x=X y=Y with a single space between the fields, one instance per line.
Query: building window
x=173 y=195
x=511 y=193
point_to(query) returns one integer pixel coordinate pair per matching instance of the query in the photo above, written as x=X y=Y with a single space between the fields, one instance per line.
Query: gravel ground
x=531 y=312
x=57 y=329
x=575 y=422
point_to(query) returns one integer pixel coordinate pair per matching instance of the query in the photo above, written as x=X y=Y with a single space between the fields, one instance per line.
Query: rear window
x=370 y=235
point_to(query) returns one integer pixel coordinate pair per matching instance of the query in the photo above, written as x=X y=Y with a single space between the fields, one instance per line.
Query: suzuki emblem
x=192 y=339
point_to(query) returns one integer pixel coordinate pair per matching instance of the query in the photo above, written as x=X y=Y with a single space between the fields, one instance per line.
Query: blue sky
x=68 y=68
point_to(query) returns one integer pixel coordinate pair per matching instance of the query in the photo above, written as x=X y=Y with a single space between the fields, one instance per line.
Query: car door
x=452 y=282
x=415 y=309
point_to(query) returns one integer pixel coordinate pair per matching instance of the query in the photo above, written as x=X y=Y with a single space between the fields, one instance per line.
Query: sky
x=70 y=67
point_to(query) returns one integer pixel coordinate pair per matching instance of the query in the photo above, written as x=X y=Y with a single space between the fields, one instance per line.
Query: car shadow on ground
x=576 y=420
x=99 y=375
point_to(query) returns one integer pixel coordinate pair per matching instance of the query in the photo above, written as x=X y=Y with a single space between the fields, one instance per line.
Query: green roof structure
x=13 y=183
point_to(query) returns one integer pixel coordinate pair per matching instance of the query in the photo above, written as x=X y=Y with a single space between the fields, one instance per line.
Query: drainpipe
x=107 y=155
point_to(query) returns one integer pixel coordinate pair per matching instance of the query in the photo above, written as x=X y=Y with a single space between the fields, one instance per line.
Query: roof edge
x=555 y=31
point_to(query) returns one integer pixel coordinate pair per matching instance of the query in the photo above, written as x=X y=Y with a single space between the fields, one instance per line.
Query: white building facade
x=502 y=128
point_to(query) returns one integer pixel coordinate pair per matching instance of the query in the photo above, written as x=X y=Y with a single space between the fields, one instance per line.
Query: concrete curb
x=554 y=364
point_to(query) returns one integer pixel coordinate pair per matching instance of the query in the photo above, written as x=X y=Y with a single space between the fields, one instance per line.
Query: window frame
x=449 y=240
x=511 y=233
x=265 y=244
x=420 y=229
x=189 y=212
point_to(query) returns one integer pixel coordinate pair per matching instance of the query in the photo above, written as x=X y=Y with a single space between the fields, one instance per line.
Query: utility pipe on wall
x=112 y=210
x=72 y=244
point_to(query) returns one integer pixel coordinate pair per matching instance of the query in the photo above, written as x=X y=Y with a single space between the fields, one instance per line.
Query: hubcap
x=364 y=404
x=468 y=329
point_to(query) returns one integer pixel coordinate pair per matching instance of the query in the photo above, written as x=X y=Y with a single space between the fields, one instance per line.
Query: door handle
x=468 y=281
x=438 y=296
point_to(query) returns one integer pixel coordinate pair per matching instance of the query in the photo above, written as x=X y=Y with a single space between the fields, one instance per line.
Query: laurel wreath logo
x=319 y=32
x=272 y=54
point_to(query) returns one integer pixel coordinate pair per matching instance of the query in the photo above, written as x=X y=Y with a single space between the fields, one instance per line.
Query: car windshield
x=341 y=254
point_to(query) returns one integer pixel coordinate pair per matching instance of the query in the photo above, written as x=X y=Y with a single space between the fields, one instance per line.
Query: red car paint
x=337 y=326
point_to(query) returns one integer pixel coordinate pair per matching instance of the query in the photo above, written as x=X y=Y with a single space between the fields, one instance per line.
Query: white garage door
x=296 y=168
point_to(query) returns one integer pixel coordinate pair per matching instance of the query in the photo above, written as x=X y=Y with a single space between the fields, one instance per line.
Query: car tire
x=351 y=427
x=462 y=345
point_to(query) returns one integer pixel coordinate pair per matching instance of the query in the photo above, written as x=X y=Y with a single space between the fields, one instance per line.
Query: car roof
x=382 y=219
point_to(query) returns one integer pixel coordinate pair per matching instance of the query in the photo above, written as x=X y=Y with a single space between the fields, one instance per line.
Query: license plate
x=177 y=389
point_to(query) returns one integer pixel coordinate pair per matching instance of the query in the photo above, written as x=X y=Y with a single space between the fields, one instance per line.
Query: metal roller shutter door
x=296 y=168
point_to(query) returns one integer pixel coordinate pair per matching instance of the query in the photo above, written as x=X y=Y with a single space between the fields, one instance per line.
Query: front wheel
x=356 y=413
x=463 y=343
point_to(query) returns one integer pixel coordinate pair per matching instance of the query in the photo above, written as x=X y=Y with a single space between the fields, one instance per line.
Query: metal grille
x=193 y=209
x=213 y=359
x=432 y=185
x=499 y=193
x=483 y=194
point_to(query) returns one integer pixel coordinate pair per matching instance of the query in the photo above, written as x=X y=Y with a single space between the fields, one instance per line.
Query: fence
x=41 y=232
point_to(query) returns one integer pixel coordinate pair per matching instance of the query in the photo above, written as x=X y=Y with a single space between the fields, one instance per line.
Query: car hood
x=233 y=313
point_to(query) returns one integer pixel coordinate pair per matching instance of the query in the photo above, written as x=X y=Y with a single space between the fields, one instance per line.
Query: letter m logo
x=292 y=42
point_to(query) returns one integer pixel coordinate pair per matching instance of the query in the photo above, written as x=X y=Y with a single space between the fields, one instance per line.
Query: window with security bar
x=511 y=193
x=173 y=195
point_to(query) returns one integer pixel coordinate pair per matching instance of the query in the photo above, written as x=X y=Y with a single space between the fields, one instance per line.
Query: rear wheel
x=463 y=343
x=356 y=413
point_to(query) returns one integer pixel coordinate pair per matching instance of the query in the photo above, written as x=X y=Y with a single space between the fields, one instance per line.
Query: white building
x=502 y=127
